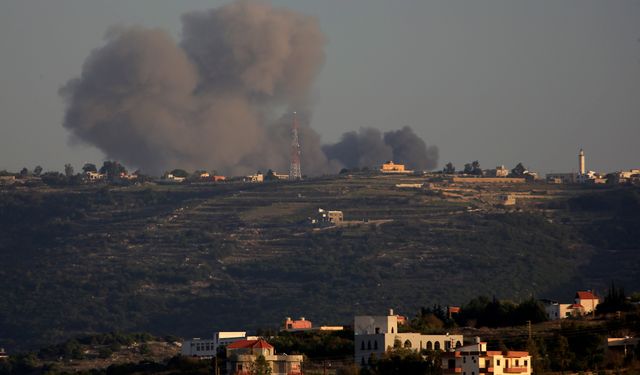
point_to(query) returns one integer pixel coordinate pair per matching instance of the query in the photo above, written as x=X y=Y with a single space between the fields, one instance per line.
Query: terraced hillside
x=191 y=259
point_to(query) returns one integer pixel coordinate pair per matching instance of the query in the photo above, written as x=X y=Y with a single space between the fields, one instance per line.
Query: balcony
x=514 y=370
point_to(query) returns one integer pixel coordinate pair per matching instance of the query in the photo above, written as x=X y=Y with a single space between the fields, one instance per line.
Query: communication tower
x=294 y=168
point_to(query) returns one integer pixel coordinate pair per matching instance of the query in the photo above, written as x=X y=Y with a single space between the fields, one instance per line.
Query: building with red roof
x=588 y=300
x=241 y=356
x=475 y=359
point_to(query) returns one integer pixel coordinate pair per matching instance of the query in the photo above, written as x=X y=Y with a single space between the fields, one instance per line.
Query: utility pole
x=294 y=167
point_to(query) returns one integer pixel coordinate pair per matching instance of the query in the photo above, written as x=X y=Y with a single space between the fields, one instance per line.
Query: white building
x=198 y=347
x=474 y=359
x=374 y=335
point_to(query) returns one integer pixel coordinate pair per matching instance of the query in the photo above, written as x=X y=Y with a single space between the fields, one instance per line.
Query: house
x=174 y=178
x=500 y=171
x=333 y=217
x=3 y=354
x=258 y=177
x=391 y=167
x=297 y=325
x=475 y=359
x=561 y=178
x=94 y=176
x=374 y=335
x=241 y=356
x=7 y=180
x=208 y=348
x=219 y=178
x=588 y=300
x=622 y=345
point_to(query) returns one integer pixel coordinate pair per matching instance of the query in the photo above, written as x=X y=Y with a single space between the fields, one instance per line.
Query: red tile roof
x=250 y=344
x=576 y=306
x=586 y=295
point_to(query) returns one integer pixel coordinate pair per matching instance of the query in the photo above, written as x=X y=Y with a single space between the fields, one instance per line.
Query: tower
x=581 y=166
x=294 y=168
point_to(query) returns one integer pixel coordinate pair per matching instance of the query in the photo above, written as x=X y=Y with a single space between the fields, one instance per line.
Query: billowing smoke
x=369 y=147
x=210 y=100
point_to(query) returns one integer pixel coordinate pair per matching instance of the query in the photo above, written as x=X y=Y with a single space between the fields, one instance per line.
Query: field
x=191 y=259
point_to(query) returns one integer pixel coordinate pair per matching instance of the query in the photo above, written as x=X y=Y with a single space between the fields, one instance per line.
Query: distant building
x=500 y=171
x=625 y=177
x=174 y=178
x=297 y=325
x=561 y=178
x=94 y=176
x=391 y=167
x=409 y=186
x=7 y=180
x=556 y=310
x=331 y=217
x=241 y=356
x=258 y=177
x=198 y=347
x=3 y=354
x=219 y=178
x=475 y=359
x=374 y=335
x=588 y=300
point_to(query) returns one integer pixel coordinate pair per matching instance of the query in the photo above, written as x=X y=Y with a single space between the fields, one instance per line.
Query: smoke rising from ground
x=369 y=147
x=210 y=100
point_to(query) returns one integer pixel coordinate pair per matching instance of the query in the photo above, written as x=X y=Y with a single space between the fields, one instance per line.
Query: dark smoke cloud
x=368 y=148
x=208 y=101
x=410 y=149
x=151 y=103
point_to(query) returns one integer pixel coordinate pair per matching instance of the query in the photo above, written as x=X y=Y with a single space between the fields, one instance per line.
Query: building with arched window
x=375 y=334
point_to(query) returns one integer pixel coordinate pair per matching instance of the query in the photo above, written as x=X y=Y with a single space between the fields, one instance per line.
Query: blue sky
x=498 y=81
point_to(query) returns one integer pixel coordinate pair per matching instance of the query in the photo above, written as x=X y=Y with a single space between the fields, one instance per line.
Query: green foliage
x=260 y=366
x=315 y=344
x=406 y=362
x=494 y=313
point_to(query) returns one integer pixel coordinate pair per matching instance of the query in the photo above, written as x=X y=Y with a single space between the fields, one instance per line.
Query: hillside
x=188 y=260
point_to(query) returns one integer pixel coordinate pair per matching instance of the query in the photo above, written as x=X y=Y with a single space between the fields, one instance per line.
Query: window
x=429 y=345
x=517 y=363
x=526 y=363
x=497 y=362
x=437 y=345
x=369 y=345
x=464 y=359
x=362 y=347
x=377 y=330
x=458 y=344
x=392 y=330
x=375 y=344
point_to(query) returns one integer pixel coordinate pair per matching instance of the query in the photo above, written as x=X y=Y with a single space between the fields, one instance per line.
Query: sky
x=499 y=81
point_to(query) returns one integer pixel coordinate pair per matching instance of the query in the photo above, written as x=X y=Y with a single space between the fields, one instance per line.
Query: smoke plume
x=210 y=100
x=369 y=147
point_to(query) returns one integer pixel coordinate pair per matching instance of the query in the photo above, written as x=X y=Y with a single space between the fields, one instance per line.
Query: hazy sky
x=498 y=81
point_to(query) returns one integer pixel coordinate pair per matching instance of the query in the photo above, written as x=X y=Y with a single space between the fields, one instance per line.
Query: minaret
x=581 y=163
x=294 y=168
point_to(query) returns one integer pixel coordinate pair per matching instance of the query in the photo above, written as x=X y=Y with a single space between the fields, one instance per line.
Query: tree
x=24 y=172
x=37 y=170
x=475 y=166
x=519 y=170
x=449 y=168
x=180 y=173
x=89 y=167
x=561 y=355
x=260 y=366
x=270 y=176
x=68 y=170
x=112 y=169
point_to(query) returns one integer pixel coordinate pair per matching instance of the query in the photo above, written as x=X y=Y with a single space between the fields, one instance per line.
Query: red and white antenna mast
x=294 y=168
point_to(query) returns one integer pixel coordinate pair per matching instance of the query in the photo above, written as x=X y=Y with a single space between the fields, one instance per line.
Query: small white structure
x=374 y=335
x=198 y=347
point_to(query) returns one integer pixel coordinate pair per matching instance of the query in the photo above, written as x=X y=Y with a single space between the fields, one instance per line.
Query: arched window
x=436 y=346
x=458 y=344
x=407 y=344
x=362 y=346
x=375 y=344
x=369 y=345
x=392 y=330
x=429 y=345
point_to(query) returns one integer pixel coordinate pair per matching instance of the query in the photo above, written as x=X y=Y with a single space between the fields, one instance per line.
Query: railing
x=514 y=370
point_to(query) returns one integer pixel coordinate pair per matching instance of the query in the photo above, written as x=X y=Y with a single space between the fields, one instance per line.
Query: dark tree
x=68 y=170
x=24 y=172
x=518 y=171
x=449 y=168
x=89 y=167
x=180 y=173
x=37 y=170
x=112 y=169
x=270 y=176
